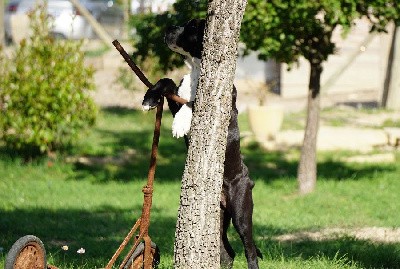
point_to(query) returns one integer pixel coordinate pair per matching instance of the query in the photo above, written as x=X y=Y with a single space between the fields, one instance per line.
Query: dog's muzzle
x=147 y=106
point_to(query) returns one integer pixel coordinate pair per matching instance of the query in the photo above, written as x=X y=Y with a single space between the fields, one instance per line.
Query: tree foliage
x=44 y=91
x=287 y=30
x=150 y=29
x=284 y=30
x=291 y=29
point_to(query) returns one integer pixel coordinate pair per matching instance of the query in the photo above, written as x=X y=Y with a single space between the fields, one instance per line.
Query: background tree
x=197 y=238
x=287 y=30
x=2 y=30
x=391 y=90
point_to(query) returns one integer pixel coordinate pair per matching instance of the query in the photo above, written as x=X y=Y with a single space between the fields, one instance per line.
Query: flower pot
x=265 y=121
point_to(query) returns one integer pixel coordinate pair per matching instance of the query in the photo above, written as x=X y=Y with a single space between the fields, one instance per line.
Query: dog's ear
x=187 y=39
x=155 y=93
x=202 y=25
x=197 y=23
x=197 y=27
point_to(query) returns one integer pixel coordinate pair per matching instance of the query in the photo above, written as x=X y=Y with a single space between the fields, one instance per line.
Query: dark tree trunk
x=307 y=170
x=197 y=238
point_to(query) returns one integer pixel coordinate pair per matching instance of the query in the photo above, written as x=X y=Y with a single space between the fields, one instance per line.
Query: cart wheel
x=27 y=253
x=136 y=261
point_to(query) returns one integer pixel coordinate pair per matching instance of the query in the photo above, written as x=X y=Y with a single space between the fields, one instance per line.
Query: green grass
x=391 y=123
x=96 y=52
x=94 y=205
x=294 y=121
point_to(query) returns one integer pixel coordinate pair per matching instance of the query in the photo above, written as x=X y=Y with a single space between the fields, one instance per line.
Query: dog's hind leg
x=242 y=219
x=227 y=252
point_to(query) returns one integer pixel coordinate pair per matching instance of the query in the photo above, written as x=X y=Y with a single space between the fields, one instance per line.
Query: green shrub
x=44 y=91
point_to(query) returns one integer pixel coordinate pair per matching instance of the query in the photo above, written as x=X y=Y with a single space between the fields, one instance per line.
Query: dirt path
x=110 y=93
x=374 y=234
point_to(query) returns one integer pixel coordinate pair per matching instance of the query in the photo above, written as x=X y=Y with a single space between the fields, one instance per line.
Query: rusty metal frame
x=143 y=222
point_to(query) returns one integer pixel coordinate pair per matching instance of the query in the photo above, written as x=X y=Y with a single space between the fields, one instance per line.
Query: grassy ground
x=92 y=203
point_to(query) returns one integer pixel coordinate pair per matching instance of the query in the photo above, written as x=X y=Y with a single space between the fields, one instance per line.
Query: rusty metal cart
x=28 y=252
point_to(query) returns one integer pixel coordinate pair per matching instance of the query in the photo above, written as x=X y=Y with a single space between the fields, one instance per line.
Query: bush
x=44 y=91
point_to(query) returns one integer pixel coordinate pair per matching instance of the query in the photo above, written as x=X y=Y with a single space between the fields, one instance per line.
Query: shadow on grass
x=273 y=165
x=171 y=151
x=99 y=232
x=365 y=253
x=170 y=162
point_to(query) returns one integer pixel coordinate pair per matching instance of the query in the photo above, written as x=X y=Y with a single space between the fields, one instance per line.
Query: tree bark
x=197 y=239
x=391 y=96
x=127 y=11
x=307 y=170
x=2 y=30
x=98 y=29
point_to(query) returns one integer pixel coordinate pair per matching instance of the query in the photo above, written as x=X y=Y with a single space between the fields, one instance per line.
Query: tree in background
x=2 y=30
x=288 y=30
x=282 y=30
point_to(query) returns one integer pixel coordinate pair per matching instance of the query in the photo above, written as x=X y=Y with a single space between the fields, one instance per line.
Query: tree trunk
x=98 y=29
x=141 y=7
x=391 y=96
x=197 y=239
x=127 y=12
x=2 y=30
x=307 y=170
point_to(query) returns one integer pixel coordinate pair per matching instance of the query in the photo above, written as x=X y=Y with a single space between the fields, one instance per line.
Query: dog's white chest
x=188 y=87
x=187 y=90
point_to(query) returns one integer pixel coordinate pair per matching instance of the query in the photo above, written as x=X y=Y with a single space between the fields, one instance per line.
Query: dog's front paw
x=182 y=121
x=154 y=94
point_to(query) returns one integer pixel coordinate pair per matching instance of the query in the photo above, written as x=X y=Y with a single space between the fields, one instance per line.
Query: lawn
x=91 y=196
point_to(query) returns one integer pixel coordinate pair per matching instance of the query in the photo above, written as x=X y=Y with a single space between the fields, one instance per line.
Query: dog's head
x=187 y=39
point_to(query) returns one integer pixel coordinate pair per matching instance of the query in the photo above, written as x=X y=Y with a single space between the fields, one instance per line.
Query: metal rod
x=148 y=261
x=140 y=74
x=123 y=244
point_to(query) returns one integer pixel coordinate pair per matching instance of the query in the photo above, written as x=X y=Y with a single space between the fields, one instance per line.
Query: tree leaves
x=284 y=30
x=290 y=29
x=150 y=30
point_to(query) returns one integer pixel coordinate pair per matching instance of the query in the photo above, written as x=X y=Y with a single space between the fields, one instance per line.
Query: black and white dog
x=236 y=197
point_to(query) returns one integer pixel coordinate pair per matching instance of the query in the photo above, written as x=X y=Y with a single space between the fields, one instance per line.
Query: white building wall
x=365 y=73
